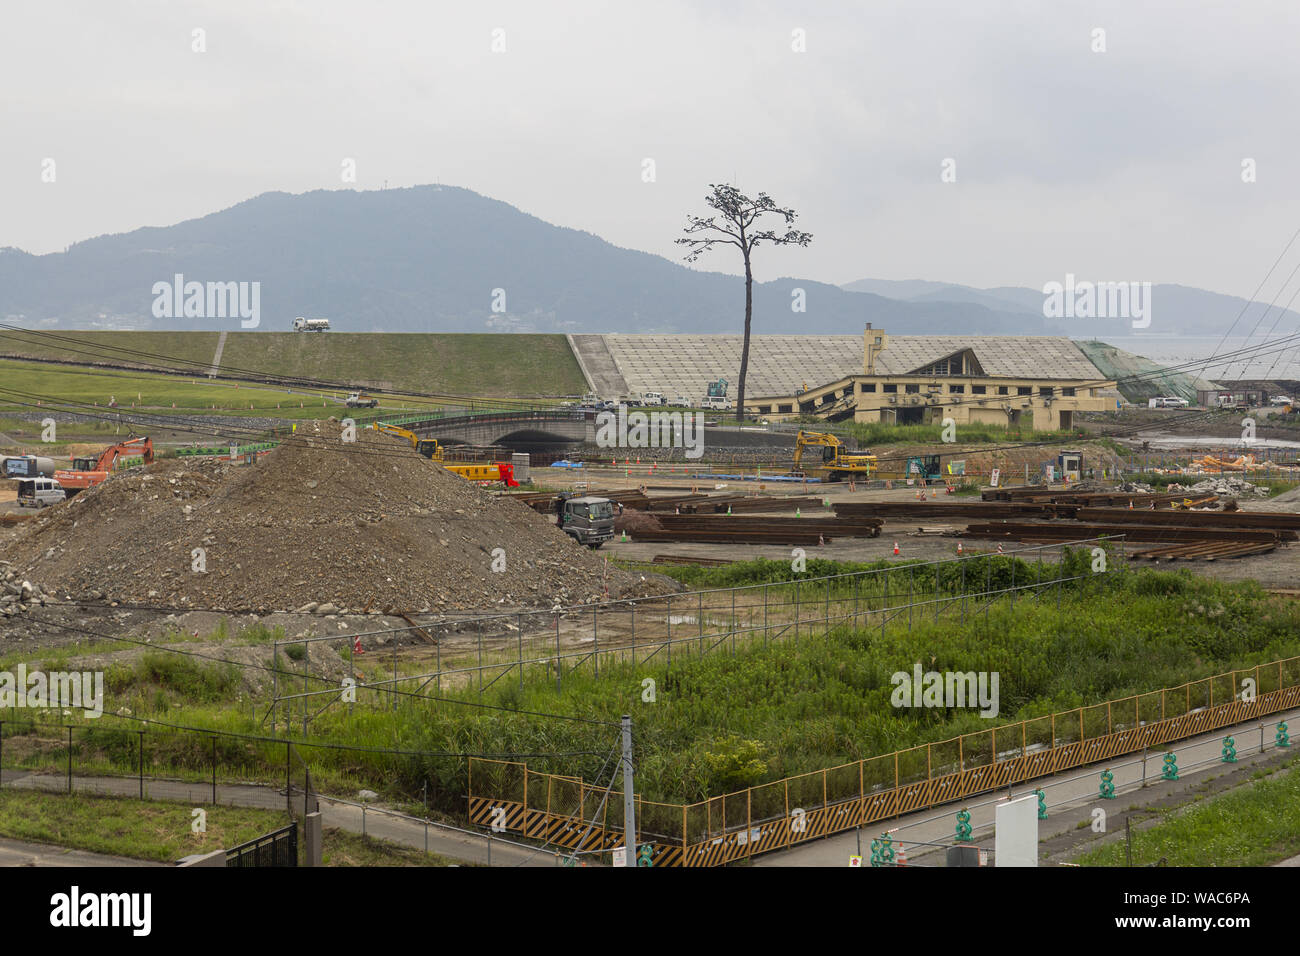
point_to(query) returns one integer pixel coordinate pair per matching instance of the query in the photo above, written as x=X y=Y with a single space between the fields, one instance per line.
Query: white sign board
x=1015 y=836
x=855 y=861
x=993 y=478
x=620 y=856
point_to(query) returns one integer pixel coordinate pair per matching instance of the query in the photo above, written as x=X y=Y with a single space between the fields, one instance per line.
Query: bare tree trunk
x=744 y=349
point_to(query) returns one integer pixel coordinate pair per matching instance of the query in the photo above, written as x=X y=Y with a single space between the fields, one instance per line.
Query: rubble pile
x=1225 y=486
x=18 y=595
x=360 y=526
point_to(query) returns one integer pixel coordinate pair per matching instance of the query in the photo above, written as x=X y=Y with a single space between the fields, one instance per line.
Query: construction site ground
x=1277 y=569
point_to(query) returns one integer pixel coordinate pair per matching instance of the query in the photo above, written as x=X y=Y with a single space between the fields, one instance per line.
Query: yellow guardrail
x=562 y=810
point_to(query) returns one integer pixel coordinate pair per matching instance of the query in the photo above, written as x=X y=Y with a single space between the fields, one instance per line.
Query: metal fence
x=277 y=848
x=787 y=812
x=598 y=640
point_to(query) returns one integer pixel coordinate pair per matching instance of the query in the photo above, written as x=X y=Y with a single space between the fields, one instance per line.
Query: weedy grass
x=1256 y=824
x=756 y=711
x=139 y=829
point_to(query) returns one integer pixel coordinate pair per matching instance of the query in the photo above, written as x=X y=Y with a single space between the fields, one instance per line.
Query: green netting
x=1138 y=377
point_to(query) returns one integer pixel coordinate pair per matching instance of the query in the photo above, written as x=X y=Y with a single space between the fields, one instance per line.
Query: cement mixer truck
x=26 y=466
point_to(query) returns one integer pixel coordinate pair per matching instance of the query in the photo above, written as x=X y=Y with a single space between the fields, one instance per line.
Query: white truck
x=653 y=398
x=40 y=493
x=302 y=324
x=357 y=400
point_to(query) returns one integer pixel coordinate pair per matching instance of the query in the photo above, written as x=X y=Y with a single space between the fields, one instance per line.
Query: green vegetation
x=459 y=364
x=140 y=829
x=161 y=832
x=871 y=434
x=1254 y=825
x=749 y=713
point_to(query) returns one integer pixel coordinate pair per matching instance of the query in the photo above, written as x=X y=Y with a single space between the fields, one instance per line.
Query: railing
x=277 y=848
x=787 y=812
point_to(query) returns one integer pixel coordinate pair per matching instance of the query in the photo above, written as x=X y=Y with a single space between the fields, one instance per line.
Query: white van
x=40 y=493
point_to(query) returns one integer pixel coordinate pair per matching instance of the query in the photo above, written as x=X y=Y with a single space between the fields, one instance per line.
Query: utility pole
x=629 y=799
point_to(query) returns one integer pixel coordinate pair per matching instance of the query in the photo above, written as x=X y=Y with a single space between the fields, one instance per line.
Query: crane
x=835 y=465
x=88 y=472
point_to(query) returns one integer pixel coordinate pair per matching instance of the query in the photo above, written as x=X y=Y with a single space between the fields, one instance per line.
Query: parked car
x=1280 y=400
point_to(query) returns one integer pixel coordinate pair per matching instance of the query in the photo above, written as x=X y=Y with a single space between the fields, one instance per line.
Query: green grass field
x=458 y=364
x=1254 y=825
x=162 y=831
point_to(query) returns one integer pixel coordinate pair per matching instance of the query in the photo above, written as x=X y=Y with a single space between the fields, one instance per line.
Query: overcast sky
x=1116 y=165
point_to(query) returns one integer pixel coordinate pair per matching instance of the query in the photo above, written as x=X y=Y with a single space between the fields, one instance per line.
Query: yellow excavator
x=835 y=465
x=429 y=448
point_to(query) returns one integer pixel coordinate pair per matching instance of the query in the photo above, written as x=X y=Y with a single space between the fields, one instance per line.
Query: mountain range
x=446 y=259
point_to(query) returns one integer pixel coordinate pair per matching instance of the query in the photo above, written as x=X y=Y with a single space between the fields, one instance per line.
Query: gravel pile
x=361 y=526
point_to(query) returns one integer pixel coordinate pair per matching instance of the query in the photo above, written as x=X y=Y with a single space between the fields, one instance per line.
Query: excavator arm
x=428 y=447
x=813 y=440
x=88 y=472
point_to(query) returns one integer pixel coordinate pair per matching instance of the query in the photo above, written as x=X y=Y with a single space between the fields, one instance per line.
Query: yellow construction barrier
x=563 y=810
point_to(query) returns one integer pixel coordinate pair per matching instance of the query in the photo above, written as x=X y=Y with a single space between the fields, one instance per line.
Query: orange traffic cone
x=901 y=859
x=895 y=547
x=959 y=549
x=999 y=548
x=1130 y=504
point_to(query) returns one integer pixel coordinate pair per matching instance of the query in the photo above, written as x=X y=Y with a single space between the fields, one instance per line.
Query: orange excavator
x=88 y=472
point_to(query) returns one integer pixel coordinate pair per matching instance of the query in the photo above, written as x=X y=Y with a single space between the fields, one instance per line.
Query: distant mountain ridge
x=446 y=259
x=431 y=259
x=1176 y=309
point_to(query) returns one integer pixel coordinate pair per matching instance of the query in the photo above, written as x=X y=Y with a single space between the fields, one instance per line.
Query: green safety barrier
x=882 y=851
x=1282 y=738
x=1042 y=804
x=1107 y=785
x=1229 y=750
x=963 y=826
x=1170 y=771
x=645 y=855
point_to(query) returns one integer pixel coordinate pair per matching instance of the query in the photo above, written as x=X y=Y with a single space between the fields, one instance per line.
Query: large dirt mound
x=361 y=525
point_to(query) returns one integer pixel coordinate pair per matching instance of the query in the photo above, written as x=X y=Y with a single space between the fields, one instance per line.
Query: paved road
x=20 y=853
x=1071 y=797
